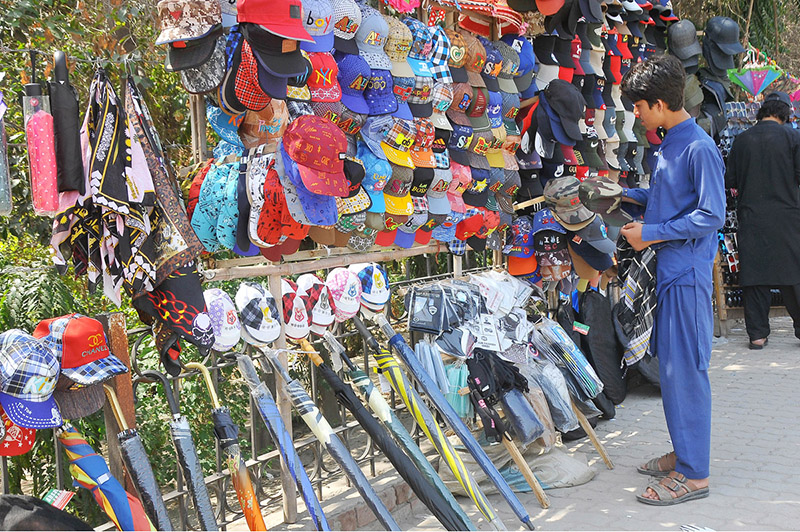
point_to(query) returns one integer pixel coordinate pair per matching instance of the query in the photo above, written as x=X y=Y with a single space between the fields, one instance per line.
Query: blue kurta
x=685 y=206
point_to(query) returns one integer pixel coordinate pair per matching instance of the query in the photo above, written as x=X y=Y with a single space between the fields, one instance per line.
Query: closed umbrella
x=390 y=369
x=66 y=128
x=432 y=498
x=90 y=471
x=138 y=466
x=411 y=362
x=337 y=449
x=282 y=439
x=227 y=434
x=188 y=460
x=386 y=415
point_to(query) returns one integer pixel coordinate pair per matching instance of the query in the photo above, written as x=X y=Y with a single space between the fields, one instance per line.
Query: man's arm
x=637 y=196
x=706 y=171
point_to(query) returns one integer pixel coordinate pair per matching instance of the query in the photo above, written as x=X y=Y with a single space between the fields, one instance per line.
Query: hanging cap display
x=296 y=319
x=186 y=20
x=224 y=319
x=81 y=344
x=281 y=17
x=319 y=299
x=345 y=290
x=346 y=20
x=261 y=323
x=371 y=38
x=28 y=374
x=318 y=22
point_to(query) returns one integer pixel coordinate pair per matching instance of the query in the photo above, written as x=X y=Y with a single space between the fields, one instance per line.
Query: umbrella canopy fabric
x=754 y=79
x=282 y=439
x=431 y=497
x=390 y=369
x=91 y=472
x=227 y=433
x=337 y=449
x=139 y=468
x=188 y=460
x=66 y=128
x=411 y=362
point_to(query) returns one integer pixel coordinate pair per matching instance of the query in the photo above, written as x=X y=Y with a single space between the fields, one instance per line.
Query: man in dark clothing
x=764 y=167
x=684 y=209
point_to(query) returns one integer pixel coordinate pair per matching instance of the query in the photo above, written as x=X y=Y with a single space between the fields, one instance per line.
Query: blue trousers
x=683 y=332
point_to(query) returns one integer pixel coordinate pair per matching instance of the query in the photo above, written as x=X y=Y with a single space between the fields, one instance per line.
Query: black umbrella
x=188 y=460
x=429 y=495
x=66 y=128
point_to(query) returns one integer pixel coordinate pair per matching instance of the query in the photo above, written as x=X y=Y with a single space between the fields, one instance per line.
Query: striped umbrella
x=282 y=439
x=90 y=471
x=337 y=449
x=227 y=434
x=414 y=366
x=390 y=369
x=386 y=415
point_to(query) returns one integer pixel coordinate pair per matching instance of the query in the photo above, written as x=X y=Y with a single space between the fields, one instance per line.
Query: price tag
x=58 y=498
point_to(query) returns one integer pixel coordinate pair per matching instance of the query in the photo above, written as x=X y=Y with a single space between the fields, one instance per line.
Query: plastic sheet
x=554 y=342
x=521 y=416
x=141 y=472
x=41 y=152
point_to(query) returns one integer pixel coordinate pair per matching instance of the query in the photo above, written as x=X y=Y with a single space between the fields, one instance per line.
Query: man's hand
x=633 y=234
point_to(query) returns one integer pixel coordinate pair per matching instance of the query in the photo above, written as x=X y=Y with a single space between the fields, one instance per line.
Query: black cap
x=779 y=96
x=193 y=54
x=543 y=48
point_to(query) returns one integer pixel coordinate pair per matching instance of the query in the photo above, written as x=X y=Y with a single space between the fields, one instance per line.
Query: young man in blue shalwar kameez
x=684 y=208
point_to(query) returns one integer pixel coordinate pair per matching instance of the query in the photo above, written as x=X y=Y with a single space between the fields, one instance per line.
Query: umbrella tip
x=530 y=524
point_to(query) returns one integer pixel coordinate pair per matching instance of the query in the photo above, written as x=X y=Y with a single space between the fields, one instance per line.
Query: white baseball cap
x=319 y=298
x=345 y=290
x=224 y=319
x=296 y=318
x=258 y=312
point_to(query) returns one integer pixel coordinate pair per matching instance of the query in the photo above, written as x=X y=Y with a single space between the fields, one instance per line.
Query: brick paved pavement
x=755 y=474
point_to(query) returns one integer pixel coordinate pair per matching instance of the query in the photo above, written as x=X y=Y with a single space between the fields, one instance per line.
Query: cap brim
x=347 y=46
x=420 y=68
x=475 y=79
x=324 y=183
x=403 y=111
x=30 y=414
x=273 y=86
x=476 y=200
x=439 y=205
x=191 y=56
x=404 y=240
x=355 y=103
x=423 y=158
x=321 y=43
x=458 y=117
x=96 y=371
x=403 y=158
x=477 y=161
x=479 y=122
x=507 y=85
x=491 y=83
x=578 y=225
x=421 y=110
x=82 y=402
x=171 y=35
x=524 y=81
x=401 y=69
x=399 y=206
x=456 y=203
x=378 y=61
x=440 y=121
x=495 y=159
x=459 y=74
x=730 y=48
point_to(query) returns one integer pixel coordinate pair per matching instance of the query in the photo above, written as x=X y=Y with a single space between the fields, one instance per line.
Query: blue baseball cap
x=527 y=60
x=354 y=75
x=224 y=124
x=460 y=139
x=376 y=173
x=555 y=123
x=379 y=93
x=419 y=55
x=373 y=131
x=490 y=70
x=494 y=110
x=446 y=231
x=320 y=210
x=403 y=87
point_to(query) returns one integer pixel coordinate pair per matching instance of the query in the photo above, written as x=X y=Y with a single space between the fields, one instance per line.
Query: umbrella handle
x=336 y=346
x=155 y=376
x=372 y=343
x=115 y=407
x=311 y=352
x=209 y=383
x=60 y=69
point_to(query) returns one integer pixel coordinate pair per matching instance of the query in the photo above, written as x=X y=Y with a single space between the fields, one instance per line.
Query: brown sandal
x=668 y=494
x=651 y=467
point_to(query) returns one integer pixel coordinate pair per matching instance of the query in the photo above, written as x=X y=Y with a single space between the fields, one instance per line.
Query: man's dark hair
x=774 y=108
x=659 y=78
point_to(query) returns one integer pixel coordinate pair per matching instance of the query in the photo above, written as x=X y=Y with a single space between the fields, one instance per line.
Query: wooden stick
x=592 y=436
x=525 y=469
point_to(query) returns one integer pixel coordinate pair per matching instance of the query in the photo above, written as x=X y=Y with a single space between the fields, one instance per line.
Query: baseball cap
x=462 y=99
x=377 y=172
x=510 y=69
x=505 y=194
x=344 y=287
x=462 y=178
x=379 y=93
x=477 y=192
x=396 y=193
x=440 y=54
x=191 y=54
x=318 y=147
x=421 y=152
x=778 y=96
x=357 y=200
x=318 y=22
x=494 y=110
x=258 y=311
x=276 y=55
x=492 y=66
x=247 y=84
x=15 y=440
x=438 y=203
x=371 y=38
x=265 y=126
x=724 y=33
x=207 y=76
x=596 y=235
x=346 y=20
x=323 y=81
x=481 y=142
x=509 y=112
x=296 y=319
x=373 y=130
x=28 y=374
x=374 y=284
x=603 y=196
x=397 y=140
x=421 y=97
x=420 y=53
x=353 y=76
x=476 y=112
x=186 y=20
x=460 y=140
x=566 y=100
x=318 y=209
x=457 y=56
x=476 y=59
x=319 y=298
x=562 y=194
x=224 y=320
x=446 y=231
x=527 y=60
x=80 y=343
x=398 y=44
x=439 y=148
x=403 y=87
x=281 y=17
x=441 y=99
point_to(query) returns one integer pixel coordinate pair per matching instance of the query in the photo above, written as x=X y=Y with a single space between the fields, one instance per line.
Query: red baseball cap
x=281 y=17
x=470 y=227
x=549 y=7
x=318 y=147
x=323 y=82
x=248 y=91
x=14 y=440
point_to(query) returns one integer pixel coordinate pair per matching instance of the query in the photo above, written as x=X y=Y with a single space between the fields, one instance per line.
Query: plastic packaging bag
x=554 y=342
x=521 y=417
x=551 y=381
x=538 y=401
x=41 y=151
x=5 y=176
x=457 y=374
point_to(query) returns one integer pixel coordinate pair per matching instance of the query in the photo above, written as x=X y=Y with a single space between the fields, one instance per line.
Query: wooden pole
x=525 y=469
x=747 y=23
x=587 y=427
x=284 y=407
x=197 y=116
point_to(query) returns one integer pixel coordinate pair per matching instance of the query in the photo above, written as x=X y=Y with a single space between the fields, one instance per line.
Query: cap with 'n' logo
x=323 y=81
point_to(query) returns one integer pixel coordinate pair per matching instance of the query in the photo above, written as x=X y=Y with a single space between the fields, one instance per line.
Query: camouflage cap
x=604 y=197
x=562 y=194
x=186 y=20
